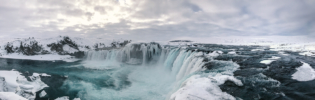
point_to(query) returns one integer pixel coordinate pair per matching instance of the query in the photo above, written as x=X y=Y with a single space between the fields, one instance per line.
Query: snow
x=20 y=85
x=69 y=49
x=304 y=73
x=307 y=53
x=258 y=50
x=44 y=74
x=270 y=60
x=274 y=57
x=76 y=99
x=215 y=53
x=232 y=52
x=267 y=62
x=63 y=98
x=10 y=96
x=309 y=46
x=204 y=88
x=222 y=78
x=10 y=79
x=46 y=57
x=42 y=94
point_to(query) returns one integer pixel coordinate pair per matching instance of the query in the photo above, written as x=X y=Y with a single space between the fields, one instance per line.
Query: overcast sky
x=156 y=19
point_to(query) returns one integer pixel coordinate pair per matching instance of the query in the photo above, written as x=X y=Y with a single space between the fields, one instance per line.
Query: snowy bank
x=46 y=57
x=14 y=82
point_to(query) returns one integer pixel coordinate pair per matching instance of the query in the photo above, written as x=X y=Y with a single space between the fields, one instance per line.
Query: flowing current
x=143 y=71
x=148 y=71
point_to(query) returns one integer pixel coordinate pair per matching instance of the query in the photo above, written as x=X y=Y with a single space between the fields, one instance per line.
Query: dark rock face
x=58 y=47
x=79 y=54
x=33 y=48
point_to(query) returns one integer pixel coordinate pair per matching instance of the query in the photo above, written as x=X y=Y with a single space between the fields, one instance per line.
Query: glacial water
x=151 y=72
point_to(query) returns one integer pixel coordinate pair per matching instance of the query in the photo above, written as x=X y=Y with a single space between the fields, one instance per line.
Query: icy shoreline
x=46 y=57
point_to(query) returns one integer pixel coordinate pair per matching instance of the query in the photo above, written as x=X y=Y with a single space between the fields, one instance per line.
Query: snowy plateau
x=72 y=68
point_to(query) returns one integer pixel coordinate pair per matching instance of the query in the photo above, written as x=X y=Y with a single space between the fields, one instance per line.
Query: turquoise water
x=98 y=80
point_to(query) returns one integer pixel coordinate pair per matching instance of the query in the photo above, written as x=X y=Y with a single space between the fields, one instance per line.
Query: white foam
x=304 y=73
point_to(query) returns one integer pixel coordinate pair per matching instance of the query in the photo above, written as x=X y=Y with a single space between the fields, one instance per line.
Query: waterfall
x=171 y=58
x=97 y=55
x=144 y=54
x=180 y=62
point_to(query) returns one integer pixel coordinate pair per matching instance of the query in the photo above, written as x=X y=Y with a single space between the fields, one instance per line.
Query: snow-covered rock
x=64 y=46
x=10 y=96
x=46 y=57
x=204 y=88
x=16 y=83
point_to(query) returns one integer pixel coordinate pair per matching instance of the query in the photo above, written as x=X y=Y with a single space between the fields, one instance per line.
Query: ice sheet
x=304 y=73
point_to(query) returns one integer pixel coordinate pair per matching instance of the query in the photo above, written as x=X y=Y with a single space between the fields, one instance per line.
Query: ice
x=232 y=52
x=206 y=86
x=69 y=49
x=274 y=58
x=63 y=98
x=10 y=96
x=270 y=60
x=42 y=94
x=10 y=79
x=257 y=50
x=215 y=53
x=200 y=88
x=308 y=53
x=46 y=57
x=46 y=75
x=222 y=78
x=20 y=85
x=304 y=73
x=267 y=62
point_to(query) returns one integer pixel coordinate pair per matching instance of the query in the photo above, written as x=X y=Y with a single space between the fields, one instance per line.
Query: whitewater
x=153 y=72
x=150 y=71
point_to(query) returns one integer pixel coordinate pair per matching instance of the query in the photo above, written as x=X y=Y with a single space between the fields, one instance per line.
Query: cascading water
x=149 y=71
x=178 y=61
x=145 y=63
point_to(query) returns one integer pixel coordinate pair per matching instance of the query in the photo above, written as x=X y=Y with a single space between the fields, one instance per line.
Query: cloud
x=156 y=19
